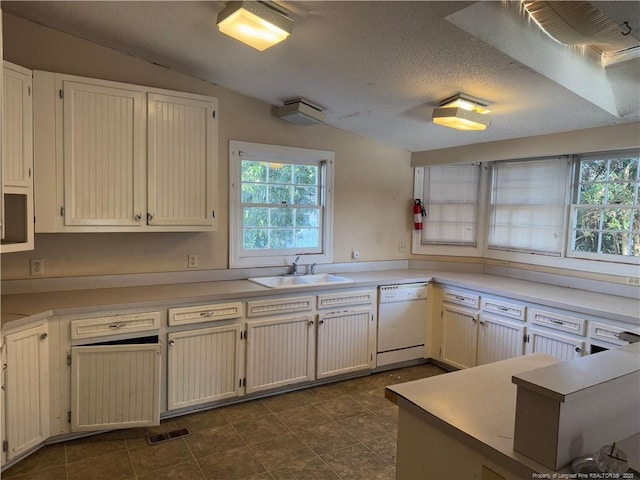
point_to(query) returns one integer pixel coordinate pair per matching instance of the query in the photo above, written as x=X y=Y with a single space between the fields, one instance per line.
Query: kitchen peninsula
x=462 y=425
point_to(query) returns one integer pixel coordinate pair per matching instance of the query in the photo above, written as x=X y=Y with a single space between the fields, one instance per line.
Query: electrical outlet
x=403 y=246
x=192 y=260
x=633 y=281
x=37 y=267
x=355 y=254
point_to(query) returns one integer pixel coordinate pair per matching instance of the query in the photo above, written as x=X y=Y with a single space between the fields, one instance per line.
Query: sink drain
x=166 y=436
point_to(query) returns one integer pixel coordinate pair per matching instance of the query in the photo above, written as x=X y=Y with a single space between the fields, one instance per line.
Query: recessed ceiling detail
x=503 y=27
x=579 y=23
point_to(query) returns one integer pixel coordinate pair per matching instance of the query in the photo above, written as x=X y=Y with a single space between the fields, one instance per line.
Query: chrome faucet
x=294 y=266
x=312 y=268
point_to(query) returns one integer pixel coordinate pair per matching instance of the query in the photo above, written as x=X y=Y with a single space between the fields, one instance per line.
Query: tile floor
x=345 y=430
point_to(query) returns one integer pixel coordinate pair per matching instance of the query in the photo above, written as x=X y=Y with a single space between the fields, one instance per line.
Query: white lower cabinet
x=471 y=338
x=115 y=386
x=564 y=347
x=498 y=339
x=204 y=365
x=280 y=352
x=460 y=336
x=27 y=389
x=566 y=344
x=343 y=342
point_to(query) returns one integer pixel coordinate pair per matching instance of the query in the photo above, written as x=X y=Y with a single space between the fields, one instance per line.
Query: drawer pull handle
x=458 y=297
x=115 y=326
x=557 y=322
x=209 y=313
x=503 y=309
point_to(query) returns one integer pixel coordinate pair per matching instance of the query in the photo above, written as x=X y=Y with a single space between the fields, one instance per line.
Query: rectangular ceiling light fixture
x=300 y=112
x=258 y=24
x=462 y=112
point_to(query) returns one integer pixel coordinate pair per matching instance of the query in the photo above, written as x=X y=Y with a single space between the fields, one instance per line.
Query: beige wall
x=373 y=182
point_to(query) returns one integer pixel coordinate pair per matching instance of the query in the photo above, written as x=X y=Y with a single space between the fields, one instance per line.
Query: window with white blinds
x=528 y=205
x=450 y=194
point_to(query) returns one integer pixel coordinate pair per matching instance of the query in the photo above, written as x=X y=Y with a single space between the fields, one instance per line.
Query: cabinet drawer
x=461 y=298
x=114 y=324
x=205 y=313
x=506 y=309
x=558 y=321
x=334 y=300
x=260 y=308
x=608 y=333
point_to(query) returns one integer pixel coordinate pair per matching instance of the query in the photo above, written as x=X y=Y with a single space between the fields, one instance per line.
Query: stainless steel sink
x=289 y=281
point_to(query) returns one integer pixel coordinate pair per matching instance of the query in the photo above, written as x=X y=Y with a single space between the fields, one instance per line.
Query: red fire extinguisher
x=418 y=213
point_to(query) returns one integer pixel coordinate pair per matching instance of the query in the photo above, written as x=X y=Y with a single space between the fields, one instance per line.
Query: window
x=450 y=194
x=527 y=206
x=281 y=200
x=605 y=218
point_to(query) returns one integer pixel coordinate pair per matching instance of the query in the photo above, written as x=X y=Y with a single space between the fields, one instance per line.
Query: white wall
x=373 y=182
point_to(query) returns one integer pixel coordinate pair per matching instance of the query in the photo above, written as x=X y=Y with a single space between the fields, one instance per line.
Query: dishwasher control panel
x=402 y=293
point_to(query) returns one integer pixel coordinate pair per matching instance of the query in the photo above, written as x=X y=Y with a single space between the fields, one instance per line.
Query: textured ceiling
x=379 y=68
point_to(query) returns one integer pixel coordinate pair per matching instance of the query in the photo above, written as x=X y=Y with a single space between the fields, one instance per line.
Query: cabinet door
x=460 y=336
x=499 y=339
x=280 y=352
x=204 y=365
x=343 y=342
x=27 y=389
x=561 y=346
x=104 y=155
x=115 y=386
x=17 y=141
x=182 y=142
x=17 y=160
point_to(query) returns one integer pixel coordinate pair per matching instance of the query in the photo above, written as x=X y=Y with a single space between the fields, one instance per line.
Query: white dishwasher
x=402 y=322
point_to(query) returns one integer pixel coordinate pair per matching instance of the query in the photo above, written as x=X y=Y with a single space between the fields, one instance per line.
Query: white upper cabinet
x=104 y=155
x=17 y=159
x=181 y=141
x=17 y=143
x=127 y=157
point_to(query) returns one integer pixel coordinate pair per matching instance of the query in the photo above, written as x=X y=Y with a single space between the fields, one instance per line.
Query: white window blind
x=528 y=204
x=450 y=197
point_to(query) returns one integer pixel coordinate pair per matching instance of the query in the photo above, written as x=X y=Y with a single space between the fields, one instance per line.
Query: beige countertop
x=568 y=380
x=18 y=306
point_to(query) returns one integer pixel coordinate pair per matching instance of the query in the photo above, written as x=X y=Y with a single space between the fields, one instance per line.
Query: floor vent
x=166 y=436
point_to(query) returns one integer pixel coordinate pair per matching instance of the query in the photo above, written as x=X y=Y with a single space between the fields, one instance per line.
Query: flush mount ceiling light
x=462 y=112
x=258 y=24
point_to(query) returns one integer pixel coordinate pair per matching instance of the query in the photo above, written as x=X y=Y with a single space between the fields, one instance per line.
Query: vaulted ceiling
x=380 y=68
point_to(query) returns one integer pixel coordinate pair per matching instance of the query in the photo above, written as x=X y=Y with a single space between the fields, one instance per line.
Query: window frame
x=573 y=206
x=418 y=248
x=508 y=258
x=241 y=258
x=566 y=187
